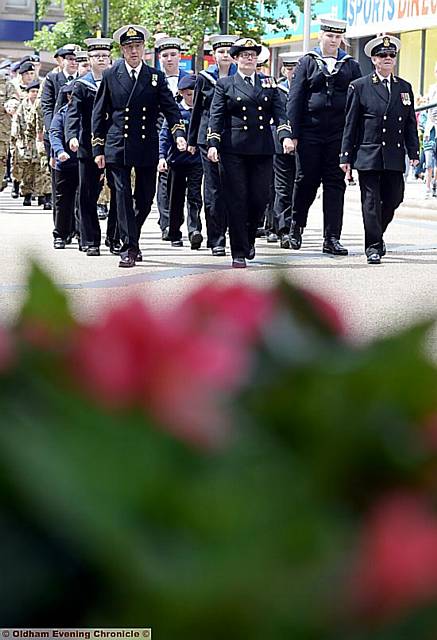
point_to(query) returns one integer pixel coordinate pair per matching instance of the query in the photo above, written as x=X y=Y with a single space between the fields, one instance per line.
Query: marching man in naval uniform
x=380 y=125
x=124 y=126
x=239 y=130
x=316 y=106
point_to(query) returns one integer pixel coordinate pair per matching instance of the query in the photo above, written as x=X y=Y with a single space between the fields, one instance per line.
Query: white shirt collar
x=243 y=75
x=185 y=106
x=67 y=75
x=130 y=69
x=383 y=78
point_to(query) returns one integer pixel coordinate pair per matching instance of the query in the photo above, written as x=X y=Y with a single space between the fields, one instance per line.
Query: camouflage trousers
x=4 y=149
x=34 y=180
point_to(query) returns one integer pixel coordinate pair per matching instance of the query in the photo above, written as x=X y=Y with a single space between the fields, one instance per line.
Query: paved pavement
x=373 y=300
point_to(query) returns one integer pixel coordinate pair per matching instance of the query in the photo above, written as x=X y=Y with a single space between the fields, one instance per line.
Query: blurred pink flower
x=7 y=352
x=397 y=565
x=327 y=312
x=179 y=365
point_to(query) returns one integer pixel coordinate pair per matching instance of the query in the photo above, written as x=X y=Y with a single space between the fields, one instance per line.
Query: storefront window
x=410 y=58
x=430 y=58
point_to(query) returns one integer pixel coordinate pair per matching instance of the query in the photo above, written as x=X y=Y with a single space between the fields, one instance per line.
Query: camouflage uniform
x=27 y=161
x=6 y=93
x=43 y=185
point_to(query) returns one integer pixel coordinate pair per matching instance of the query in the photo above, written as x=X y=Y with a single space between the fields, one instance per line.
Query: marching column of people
x=115 y=133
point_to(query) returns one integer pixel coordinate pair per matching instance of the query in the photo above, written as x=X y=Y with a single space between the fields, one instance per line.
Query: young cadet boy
x=184 y=174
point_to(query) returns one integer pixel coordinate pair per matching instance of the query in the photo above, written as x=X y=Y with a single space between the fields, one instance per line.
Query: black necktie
x=385 y=83
x=134 y=77
x=248 y=79
x=70 y=78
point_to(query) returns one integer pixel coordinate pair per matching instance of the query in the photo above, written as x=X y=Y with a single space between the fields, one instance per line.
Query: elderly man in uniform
x=169 y=55
x=316 y=113
x=215 y=210
x=239 y=128
x=380 y=125
x=124 y=127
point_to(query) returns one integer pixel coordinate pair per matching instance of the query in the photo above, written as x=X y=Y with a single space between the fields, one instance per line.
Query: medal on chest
x=268 y=83
x=154 y=80
x=406 y=99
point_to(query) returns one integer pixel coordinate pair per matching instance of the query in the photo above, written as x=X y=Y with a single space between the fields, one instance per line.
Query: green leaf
x=45 y=303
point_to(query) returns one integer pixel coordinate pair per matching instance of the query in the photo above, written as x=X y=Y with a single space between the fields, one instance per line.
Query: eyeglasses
x=248 y=54
x=99 y=55
x=386 y=55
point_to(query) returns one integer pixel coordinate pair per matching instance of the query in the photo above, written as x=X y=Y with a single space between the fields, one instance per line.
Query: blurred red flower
x=179 y=364
x=397 y=566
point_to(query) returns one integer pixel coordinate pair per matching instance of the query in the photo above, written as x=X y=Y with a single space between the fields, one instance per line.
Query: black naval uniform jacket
x=79 y=114
x=317 y=98
x=49 y=95
x=379 y=126
x=124 y=120
x=240 y=116
x=203 y=95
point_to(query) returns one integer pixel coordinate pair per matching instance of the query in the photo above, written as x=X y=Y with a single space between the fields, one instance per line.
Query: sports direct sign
x=370 y=17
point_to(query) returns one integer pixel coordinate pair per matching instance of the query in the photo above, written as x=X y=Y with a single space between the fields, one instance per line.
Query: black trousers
x=89 y=187
x=284 y=167
x=246 y=185
x=112 y=226
x=66 y=184
x=381 y=194
x=318 y=163
x=184 y=182
x=48 y=151
x=162 y=200
x=216 y=216
x=132 y=209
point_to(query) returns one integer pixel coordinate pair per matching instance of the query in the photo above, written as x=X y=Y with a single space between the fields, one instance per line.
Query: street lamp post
x=224 y=16
x=36 y=21
x=306 y=25
x=105 y=18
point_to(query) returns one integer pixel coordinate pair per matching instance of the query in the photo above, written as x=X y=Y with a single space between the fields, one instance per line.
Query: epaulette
x=208 y=76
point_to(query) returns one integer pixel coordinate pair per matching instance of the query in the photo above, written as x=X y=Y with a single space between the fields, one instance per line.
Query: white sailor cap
x=81 y=56
x=385 y=43
x=168 y=43
x=222 y=40
x=290 y=58
x=130 y=33
x=264 y=56
x=98 y=43
x=332 y=25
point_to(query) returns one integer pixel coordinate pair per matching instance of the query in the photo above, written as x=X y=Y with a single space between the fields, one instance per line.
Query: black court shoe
x=295 y=236
x=334 y=247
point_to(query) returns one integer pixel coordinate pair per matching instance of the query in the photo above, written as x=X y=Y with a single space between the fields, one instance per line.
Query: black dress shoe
x=48 y=206
x=383 y=250
x=334 y=247
x=295 y=236
x=218 y=251
x=177 y=243
x=139 y=256
x=164 y=235
x=260 y=232
x=114 y=247
x=373 y=256
x=239 y=263
x=93 y=251
x=58 y=243
x=27 y=202
x=251 y=254
x=127 y=261
x=196 y=240
x=285 y=241
x=15 y=193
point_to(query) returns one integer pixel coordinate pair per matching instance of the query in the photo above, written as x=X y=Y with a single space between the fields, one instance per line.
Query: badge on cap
x=132 y=32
